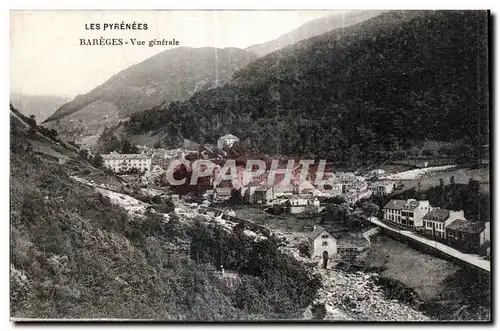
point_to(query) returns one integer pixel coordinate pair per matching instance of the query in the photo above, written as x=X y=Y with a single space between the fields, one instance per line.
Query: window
x=325 y=243
x=324 y=236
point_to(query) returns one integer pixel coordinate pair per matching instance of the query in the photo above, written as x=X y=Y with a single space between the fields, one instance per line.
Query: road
x=472 y=259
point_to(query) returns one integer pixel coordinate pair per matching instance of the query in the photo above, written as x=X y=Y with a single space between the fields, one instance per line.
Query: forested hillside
x=355 y=94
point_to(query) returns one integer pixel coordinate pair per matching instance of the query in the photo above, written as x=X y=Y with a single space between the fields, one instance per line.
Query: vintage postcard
x=321 y=165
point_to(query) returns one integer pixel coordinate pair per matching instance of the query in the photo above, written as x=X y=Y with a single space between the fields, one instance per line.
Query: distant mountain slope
x=358 y=93
x=313 y=28
x=42 y=106
x=174 y=74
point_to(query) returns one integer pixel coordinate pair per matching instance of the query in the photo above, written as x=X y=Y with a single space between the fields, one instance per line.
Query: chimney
x=456 y=214
x=314 y=227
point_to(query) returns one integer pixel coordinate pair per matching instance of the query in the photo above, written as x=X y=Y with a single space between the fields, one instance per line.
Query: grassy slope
x=401 y=263
x=448 y=292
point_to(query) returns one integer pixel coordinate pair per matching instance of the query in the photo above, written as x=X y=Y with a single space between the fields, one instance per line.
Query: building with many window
x=125 y=162
x=407 y=213
x=299 y=204
x=437 y=220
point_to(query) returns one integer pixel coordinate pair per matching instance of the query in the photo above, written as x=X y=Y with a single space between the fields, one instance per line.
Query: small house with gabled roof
x=322 y=243
x=227 y=141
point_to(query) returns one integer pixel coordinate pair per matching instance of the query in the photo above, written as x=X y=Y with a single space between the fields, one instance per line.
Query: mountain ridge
x=185 y=70
x=42 y=106
x=312 y=28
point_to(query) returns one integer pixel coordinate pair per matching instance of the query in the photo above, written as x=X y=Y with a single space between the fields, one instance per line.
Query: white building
x=124 y=162
x=300 y=204
x=227 y=141
x=408 y=213
x=222 y=193
x=322 y=244
x=354 y=196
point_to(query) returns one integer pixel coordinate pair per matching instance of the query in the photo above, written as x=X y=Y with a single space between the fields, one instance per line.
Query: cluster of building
x=445 y=225
x=296 y=194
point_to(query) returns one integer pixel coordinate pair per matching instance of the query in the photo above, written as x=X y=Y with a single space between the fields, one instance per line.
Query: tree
x=483 y=249
x=236 y=197
x=369 y=208
x=237 y=149
x=452 y=180
x=304 y=249
x=239 y=229
x=97 y=161
x=336 y=200
x=52 y=134
x=128 y=147
x=84 y=154
x=32 y=121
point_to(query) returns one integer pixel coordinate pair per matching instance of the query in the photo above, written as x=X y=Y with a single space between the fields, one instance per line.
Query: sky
x=46 y=57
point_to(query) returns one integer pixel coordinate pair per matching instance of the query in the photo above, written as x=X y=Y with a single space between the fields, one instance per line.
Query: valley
x=176 y=191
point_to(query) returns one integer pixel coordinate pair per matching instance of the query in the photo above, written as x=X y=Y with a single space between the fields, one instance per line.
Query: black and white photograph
x=250 y=165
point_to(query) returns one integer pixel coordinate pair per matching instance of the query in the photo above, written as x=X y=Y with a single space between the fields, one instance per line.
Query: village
x=300 y=196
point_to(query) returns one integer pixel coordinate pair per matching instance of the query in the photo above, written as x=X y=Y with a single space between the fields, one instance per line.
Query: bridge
x=472 y=260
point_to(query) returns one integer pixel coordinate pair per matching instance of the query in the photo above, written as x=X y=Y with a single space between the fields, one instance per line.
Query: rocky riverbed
x=355 y=296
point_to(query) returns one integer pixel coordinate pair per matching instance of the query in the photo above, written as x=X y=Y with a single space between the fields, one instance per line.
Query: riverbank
x=348 y=295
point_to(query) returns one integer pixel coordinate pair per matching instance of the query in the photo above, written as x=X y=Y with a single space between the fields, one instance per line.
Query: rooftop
x=438 y=215
x=401 y=204
x=316 y=232
x=117 y=156
x=229 y=136
x=466 y=226
x=223 y=190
